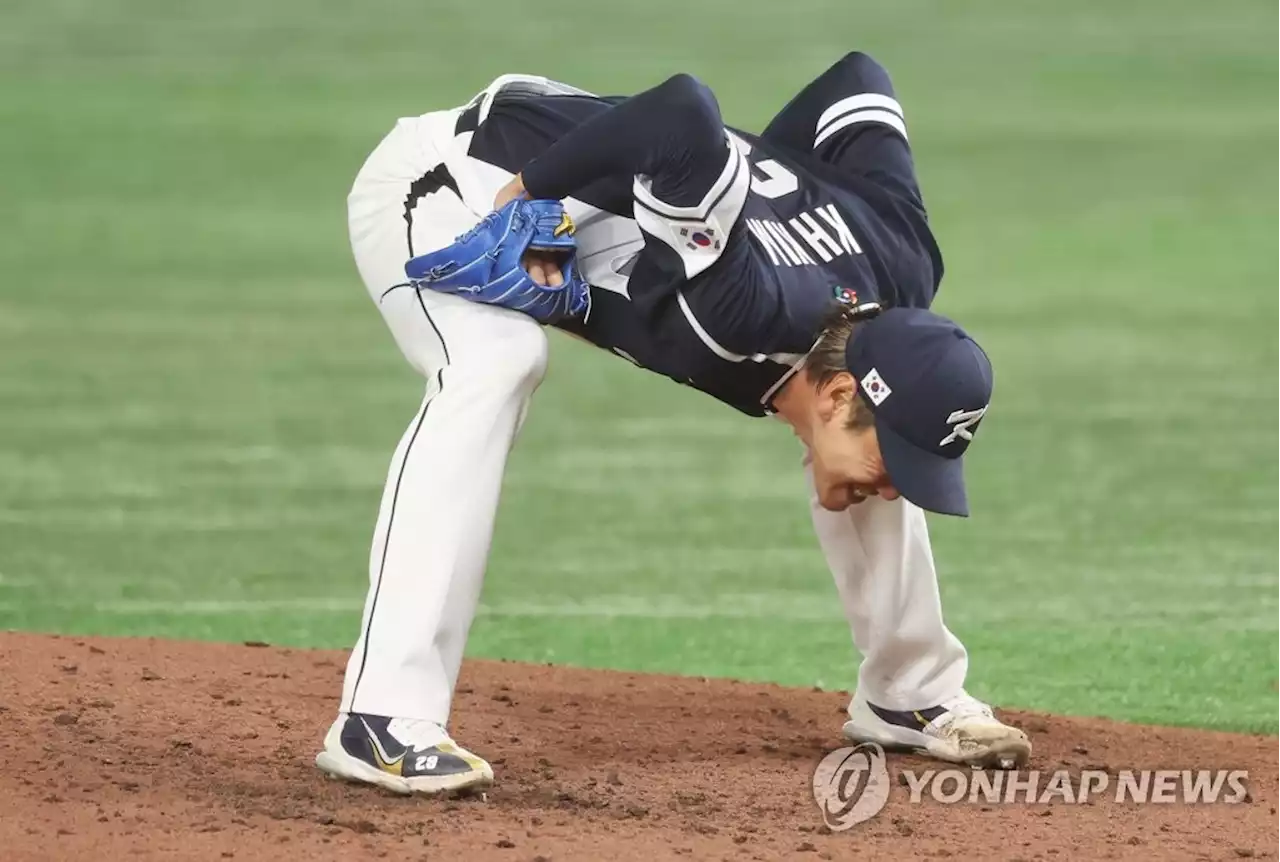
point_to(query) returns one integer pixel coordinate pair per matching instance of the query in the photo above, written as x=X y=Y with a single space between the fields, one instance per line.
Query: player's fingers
x=509 y=192
x=537 y=270
x=555 y=278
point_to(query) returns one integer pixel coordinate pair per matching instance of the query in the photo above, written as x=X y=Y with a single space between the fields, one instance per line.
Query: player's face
x=847 y=467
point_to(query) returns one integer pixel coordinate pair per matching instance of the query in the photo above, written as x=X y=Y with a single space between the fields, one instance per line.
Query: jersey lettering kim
x=723 y=288
x=820 y=234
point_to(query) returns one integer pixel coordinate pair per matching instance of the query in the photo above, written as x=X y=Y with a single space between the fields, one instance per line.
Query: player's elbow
x=859 y=61
x=857 y=58
x=691 y=103
x=682 y=86
x=864 y=69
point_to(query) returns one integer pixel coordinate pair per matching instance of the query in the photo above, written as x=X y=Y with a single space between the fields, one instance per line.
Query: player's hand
x=522 y=257
x=544 y=267
x=510 y=192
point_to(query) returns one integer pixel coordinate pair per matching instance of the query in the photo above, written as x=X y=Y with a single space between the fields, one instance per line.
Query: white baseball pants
x=481 y=366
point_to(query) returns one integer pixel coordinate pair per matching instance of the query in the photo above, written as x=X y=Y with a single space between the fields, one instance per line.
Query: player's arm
x=850 y=118
x=854 y=96
x=691 y=180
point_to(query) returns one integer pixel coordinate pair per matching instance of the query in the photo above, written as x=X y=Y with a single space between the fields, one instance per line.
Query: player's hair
x=827 y=358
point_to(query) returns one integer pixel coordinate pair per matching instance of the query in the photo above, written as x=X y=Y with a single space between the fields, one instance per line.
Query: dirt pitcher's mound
x=140 y=749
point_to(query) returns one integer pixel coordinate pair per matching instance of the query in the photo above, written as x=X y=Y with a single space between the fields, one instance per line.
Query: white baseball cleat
x=960 y=730
x=401 y=754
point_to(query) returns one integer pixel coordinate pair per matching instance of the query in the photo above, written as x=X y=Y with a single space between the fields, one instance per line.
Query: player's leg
x=911 y=682
x=879 y=554
x=849 y=117
x=434 y=527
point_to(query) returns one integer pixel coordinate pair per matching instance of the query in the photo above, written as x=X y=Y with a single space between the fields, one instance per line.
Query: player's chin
x=834 y=502
x=839 y=501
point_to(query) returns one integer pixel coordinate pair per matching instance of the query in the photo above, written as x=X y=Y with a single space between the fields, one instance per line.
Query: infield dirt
x=147 y=749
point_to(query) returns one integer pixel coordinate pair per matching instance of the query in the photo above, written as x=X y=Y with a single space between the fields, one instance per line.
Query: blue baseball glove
x=484 y=264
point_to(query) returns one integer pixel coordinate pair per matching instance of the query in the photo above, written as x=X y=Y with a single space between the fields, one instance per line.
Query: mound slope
x=148 y=749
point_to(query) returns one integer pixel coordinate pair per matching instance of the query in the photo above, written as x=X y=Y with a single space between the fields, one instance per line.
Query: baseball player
x=787 y=273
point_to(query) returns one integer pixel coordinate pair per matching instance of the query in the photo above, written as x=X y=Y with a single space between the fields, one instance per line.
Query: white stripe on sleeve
x=857 y=103
x=864 y=107
x=887 y=118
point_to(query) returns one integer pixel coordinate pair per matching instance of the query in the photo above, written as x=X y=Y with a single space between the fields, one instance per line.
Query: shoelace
x=963 y=706
x=417 y=733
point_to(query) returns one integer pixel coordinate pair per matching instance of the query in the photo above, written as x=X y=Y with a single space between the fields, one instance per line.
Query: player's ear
x=835 y=395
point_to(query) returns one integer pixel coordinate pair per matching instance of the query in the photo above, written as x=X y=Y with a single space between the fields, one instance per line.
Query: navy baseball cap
x=928 y=384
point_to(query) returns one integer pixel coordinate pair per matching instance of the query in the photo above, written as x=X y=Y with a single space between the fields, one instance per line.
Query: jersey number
x=776 y=182
x=768 y=178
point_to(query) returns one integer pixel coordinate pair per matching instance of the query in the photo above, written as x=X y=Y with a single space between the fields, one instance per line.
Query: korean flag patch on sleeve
x=875 y=387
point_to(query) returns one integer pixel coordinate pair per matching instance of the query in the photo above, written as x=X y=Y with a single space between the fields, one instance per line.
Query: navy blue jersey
x=723 y=249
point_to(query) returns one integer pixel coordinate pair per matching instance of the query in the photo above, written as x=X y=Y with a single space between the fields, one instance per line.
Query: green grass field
x=198 y=401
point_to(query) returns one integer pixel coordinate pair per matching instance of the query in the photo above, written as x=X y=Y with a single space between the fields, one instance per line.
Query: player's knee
x=517 y=355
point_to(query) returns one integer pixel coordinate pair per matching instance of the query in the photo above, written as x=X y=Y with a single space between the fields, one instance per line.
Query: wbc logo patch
x=875 y=387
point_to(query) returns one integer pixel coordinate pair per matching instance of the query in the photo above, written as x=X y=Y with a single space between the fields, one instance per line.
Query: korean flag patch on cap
x=875 y=387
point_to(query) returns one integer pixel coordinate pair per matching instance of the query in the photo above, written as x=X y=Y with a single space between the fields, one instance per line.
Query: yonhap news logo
x=851 y=785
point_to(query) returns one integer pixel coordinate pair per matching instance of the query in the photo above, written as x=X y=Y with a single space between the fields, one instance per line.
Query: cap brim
x=925 y=478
